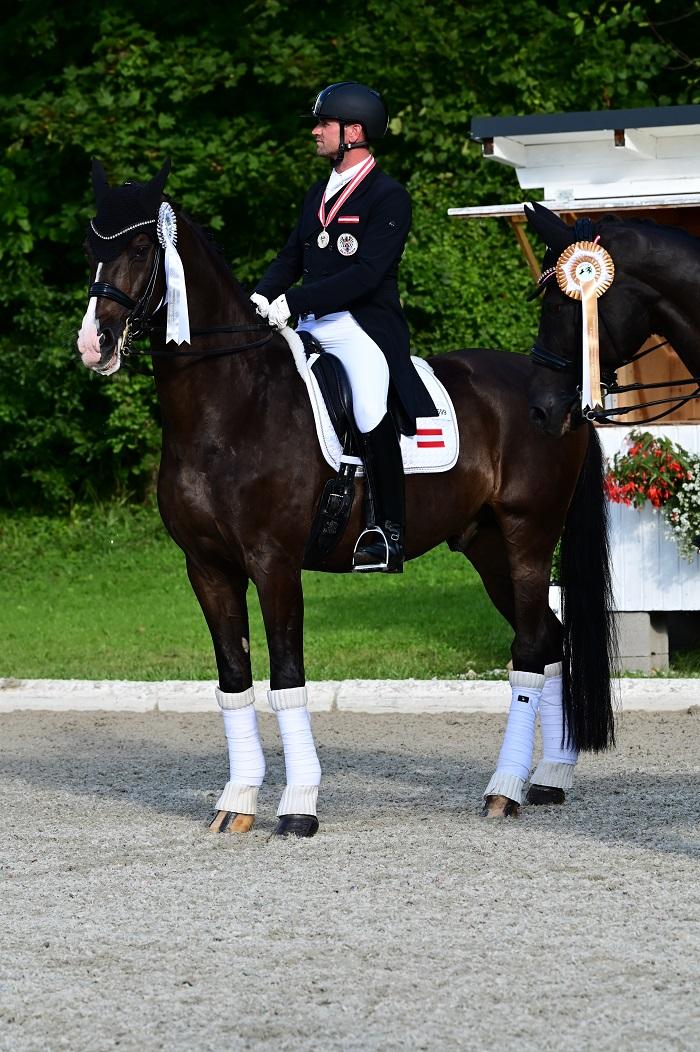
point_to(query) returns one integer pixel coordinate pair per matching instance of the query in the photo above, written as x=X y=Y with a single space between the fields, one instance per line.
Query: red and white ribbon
x=363 y=171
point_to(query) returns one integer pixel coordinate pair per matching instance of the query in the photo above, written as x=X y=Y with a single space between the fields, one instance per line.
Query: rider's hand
x=262 y=305
x=279 y=312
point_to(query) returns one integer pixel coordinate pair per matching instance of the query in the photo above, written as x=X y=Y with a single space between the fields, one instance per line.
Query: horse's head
x=123 y=251
x=623 y=312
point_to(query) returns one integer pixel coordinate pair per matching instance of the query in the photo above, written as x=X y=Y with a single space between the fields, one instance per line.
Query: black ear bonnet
x=557 y=236
x=123 y=212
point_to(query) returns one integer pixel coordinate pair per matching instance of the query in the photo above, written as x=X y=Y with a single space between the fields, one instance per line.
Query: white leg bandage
x=300 y=796
x=556 y=768
x=515 y=757
x=245 y=755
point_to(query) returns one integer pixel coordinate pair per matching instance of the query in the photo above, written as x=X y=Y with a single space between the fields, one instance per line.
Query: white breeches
x=364 y=363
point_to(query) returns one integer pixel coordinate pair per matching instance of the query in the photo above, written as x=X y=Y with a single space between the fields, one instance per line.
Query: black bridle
x=540 y=355
x=140 y=322
x=608 y=378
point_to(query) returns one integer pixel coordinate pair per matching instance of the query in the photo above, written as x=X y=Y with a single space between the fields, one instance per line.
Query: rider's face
x=327 y=136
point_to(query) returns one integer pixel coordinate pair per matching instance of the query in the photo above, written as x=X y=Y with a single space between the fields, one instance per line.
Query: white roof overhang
x=603 y=154
x=575 y=206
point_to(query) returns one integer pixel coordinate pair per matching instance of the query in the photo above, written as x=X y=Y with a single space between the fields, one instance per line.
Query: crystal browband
x=126 y=230
x=546 y=274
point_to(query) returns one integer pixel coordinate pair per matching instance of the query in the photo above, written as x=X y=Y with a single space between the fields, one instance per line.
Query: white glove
x=279 y=312
x=262 y=305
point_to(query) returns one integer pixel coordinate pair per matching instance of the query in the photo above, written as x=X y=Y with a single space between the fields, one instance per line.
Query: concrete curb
x=351 y=695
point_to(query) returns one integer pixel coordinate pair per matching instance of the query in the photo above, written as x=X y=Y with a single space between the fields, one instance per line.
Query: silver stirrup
x=371 y=567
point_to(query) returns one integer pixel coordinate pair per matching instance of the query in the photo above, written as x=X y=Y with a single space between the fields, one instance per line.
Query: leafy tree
x=221 y=97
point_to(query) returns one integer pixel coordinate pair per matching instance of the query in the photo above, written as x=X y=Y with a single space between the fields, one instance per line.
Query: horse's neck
x=216 y=392
x=676 y=309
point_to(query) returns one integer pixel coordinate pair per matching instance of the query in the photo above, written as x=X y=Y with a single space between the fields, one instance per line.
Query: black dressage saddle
x=335 y=390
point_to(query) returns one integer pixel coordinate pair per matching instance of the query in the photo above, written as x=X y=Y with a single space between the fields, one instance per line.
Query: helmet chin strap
x=345 y=146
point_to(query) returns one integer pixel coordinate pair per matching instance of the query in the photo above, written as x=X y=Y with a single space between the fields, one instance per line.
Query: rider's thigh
x=364 y=363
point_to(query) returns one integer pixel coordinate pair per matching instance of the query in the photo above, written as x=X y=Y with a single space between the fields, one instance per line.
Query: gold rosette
x=583 y=262
x=584 y=272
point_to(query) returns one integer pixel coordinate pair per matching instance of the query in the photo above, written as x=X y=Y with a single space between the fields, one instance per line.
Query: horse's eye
x=139 y=253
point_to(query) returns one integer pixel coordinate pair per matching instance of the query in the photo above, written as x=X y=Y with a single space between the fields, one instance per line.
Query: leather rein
x=140 y=324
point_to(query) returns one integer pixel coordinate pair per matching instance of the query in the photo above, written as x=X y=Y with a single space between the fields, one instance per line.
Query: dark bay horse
x=241 y=475
x=654 y=292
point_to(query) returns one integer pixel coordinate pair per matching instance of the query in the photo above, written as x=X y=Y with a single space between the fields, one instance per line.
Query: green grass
x=104 y=595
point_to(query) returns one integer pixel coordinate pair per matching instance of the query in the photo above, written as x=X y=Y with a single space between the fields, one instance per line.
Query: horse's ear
x=153 y=191
x=553 y=230
x=100 y=182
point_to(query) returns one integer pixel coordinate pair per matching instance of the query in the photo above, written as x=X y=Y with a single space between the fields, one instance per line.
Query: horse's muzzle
x=100 y=351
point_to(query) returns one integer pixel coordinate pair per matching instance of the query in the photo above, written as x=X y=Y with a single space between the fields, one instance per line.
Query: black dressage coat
x=364 y=282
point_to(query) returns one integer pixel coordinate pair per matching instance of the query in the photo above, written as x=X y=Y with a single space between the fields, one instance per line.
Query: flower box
x=649 y=572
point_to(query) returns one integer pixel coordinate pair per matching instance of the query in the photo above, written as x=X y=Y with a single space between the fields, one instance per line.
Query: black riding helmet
x=351 y=103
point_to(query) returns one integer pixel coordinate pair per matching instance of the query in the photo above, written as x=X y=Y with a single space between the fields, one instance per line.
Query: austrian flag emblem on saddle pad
x=434 y=447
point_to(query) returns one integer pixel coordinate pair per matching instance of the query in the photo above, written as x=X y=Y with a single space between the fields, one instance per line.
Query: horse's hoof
x=241 y=823
x=297 y=825
x=231 y=821
x=545 y=794
x=500 y=807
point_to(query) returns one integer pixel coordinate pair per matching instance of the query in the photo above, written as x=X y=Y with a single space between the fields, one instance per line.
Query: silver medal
x=323 y=239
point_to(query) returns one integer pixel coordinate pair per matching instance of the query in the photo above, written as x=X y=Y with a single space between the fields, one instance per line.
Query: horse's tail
x=590 y=635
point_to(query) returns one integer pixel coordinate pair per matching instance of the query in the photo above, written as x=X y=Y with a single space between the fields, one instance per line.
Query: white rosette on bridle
x=178 y=322
x=584 y=272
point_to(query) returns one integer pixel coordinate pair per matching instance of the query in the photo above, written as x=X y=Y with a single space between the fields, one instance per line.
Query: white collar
x=338 y=179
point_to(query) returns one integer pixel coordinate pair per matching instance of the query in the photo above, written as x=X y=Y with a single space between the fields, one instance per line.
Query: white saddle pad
x=434 y=447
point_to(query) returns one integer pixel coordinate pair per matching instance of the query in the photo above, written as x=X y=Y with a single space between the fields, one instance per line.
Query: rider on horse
x=346 y=249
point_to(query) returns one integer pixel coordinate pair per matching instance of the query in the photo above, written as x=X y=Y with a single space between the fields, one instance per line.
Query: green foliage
x=219 y=92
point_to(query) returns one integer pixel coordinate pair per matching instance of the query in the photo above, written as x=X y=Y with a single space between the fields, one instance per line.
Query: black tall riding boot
x=380 y=547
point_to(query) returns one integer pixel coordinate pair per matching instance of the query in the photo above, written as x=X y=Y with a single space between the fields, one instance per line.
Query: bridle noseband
x=140 y=322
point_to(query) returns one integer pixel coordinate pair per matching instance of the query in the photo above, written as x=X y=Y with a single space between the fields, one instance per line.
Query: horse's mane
x=654 y=224
x=215 y=251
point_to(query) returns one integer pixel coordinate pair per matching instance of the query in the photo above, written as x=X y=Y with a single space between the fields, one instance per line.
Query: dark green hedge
x=219 y=88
